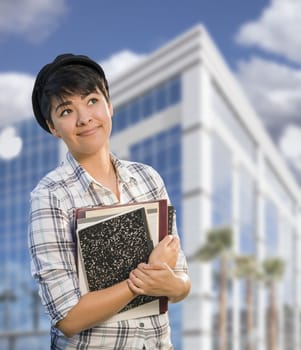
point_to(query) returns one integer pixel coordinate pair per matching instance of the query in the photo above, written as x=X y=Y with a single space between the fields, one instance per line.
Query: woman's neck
x=101 y=168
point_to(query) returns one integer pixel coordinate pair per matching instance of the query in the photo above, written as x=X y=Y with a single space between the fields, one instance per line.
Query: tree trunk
x=249 y=314
x=272 y=319
x=223 y=286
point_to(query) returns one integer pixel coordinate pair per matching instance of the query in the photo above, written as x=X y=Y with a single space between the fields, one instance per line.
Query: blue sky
x=103 y=28
x=259 y=40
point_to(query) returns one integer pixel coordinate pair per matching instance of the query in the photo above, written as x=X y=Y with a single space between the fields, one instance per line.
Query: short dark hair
x=68 y=74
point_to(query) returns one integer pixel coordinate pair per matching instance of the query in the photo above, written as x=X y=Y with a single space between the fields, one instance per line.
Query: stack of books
x=113 y=240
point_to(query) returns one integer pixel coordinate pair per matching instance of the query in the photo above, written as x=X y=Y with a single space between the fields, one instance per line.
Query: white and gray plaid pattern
x=52 y=251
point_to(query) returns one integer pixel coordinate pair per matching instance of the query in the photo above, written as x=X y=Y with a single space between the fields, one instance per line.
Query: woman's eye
x=92 y=101
x=65 y=112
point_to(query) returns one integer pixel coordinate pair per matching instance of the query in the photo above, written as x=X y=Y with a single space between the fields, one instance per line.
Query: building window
x=288 y=243
x=224 y=111
x=20 y=309
x=221 y=215
x=134 y=112
x=221 y=183
x=163 y=152
x=277 y=186
x=271 y=228
x=144 y=106
x=174 y=91
x=148 y=104
x=160 y=98
x=247 y=212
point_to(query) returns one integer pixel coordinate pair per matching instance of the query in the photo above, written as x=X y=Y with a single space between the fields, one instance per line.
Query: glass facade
x=20 y=310
x=144 y=106
x=221 y=183
x=222 y=193
x=287 y=238
x=247 y=213
x=278 y=187
x=271 y=228
x=246 y=246
x=279 y=238
x=163 y=152
x=231 y=120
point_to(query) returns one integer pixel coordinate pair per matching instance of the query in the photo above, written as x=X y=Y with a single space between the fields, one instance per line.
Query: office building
x=182 y=111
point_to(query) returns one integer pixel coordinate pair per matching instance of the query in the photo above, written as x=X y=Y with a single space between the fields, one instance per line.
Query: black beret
x=45 y=73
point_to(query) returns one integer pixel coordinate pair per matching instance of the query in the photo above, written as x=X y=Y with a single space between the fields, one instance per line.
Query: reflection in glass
x=247 y=212
x=221 y=215
x=18 y=314
x=144 y=106
x=163 y=152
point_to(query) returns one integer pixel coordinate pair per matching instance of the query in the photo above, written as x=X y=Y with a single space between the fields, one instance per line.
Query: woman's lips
x=88 y=132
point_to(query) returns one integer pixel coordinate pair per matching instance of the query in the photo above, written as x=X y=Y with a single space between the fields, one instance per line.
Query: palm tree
x=219 y=245
x=273 y=270
x=246 y=267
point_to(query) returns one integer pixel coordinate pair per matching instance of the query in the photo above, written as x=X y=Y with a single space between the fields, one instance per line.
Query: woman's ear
x=52 y=129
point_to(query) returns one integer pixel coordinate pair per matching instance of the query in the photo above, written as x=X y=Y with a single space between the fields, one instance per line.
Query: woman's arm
x=96 y=307
x=52 y=248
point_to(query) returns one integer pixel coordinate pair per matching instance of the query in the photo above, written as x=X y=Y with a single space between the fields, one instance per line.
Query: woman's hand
x=159 y=280
x=151 y=279
x=166 y=251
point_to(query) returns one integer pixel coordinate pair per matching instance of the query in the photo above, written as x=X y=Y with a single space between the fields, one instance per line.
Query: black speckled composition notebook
x=112 y=248
x=158 y=217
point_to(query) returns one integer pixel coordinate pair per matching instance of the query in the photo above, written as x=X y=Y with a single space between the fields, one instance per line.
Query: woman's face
x=82 y=122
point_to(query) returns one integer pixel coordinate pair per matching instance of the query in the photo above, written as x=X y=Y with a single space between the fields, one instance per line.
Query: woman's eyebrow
x=63 y=104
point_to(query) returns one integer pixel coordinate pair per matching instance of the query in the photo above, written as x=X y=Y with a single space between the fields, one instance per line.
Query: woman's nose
x=83 y=117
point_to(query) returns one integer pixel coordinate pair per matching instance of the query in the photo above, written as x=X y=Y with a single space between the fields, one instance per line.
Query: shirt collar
x=123 y=173
x=74 y=169
x=86 y=180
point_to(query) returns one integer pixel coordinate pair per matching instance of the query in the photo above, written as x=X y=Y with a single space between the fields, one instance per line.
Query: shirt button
x=141 y=324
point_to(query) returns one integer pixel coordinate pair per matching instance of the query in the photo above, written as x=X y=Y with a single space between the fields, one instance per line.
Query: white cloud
x=120 y=62
x=290 y=146
x=16 y=88
x=277 y=30
x=289 y=143
x=15 y=97
x=32 y=19
x=10 y=143
x=274 y=89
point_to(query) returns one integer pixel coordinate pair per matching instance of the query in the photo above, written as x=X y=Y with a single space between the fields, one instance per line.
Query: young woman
x=71 y=101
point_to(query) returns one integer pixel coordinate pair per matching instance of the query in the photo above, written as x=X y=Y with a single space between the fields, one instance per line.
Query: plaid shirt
x=52 y=250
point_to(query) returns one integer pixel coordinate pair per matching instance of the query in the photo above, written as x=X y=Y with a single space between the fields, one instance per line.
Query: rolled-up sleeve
x=52 y=253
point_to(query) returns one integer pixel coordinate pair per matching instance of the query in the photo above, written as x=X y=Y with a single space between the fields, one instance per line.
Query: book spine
x=163 y=219
x=171 y=211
